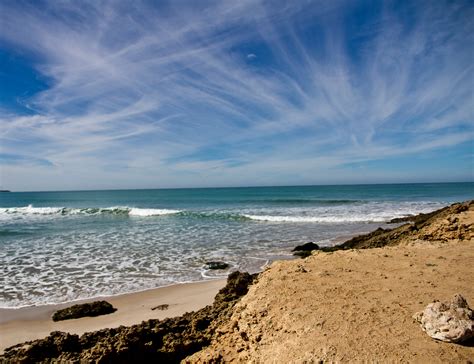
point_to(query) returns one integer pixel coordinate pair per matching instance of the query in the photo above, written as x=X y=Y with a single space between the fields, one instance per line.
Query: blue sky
x=142 y=94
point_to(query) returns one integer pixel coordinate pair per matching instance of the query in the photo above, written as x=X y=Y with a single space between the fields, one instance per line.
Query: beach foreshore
x=31 y=323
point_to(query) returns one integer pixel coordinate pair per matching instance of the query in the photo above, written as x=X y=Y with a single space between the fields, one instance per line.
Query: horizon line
x=235 y=187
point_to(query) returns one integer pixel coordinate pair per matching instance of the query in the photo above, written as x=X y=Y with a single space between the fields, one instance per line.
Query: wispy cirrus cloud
x=225 y=93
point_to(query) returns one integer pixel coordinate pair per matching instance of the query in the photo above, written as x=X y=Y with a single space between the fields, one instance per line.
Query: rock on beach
x=92 y=309
x=451 y=321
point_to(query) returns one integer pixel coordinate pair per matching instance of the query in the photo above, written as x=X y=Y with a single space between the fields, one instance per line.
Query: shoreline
x=18 y=325
x=14 y=320
x=77 y=301
x=326 y=243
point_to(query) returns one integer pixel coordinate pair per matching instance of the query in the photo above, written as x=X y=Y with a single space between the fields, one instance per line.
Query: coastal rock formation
x=448 y=321
x=168 y=341
x=91 y=309
x=448 y=223
x=305 y=250
x=306 y=247
x=302 y=253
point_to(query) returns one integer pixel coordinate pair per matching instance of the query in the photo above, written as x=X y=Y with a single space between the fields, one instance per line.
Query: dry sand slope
x=354 y=305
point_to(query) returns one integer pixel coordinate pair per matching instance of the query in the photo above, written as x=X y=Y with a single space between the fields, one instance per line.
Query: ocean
x=63 y=246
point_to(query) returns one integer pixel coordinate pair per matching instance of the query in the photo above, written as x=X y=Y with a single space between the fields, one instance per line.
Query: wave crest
x=151 y=212
x=307 y=201
x=318 y=219
x=116 y=210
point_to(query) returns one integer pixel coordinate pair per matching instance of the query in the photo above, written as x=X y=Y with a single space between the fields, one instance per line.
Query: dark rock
x=420 y=219
x=161 y=307
x=162 y=341
x=92 y=309
x=217 y=265
x=398 y=220
x=50 y=347
x=308 y=247
x=302 y=253
x=237 y=285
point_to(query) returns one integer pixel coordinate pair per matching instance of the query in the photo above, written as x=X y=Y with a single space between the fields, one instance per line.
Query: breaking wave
x=116 y=210
x=356 y=213
x=318 y=219
x=304 y=201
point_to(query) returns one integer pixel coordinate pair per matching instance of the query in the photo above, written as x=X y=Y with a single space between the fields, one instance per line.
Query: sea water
x=63 y=246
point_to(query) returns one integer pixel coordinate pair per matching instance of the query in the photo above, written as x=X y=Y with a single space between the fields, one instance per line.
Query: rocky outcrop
x=441 y=225
x=305 y=250
x=451 y=321
x=417 y=219
x=91 y=309
x=306 y=247
x=166 y=341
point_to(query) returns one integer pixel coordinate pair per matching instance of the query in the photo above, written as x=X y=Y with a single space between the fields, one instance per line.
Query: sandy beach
x=348 y=305
x=25 y=324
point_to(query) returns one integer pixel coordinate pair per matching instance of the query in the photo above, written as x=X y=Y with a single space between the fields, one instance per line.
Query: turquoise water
x=62 y=246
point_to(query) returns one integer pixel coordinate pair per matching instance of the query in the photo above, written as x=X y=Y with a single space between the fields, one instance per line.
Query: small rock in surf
x=217 y=265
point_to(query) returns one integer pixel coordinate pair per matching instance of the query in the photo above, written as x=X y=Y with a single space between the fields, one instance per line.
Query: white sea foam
x=316 y=219
x=64 y=211
x=375 y=212
x=30 y=210
x=151 y=212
